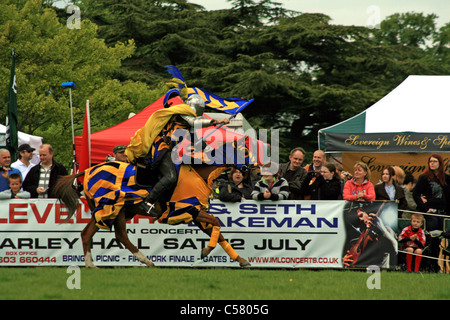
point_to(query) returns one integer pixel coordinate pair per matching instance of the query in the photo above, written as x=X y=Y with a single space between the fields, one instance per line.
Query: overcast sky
x=348 y=12
x=355 y=12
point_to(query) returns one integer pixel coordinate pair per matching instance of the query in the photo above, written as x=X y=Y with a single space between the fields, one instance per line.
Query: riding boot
x=166 y=183
x=158 y=192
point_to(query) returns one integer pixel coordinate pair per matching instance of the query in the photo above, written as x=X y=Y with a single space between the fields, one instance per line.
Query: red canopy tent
x=102 y=142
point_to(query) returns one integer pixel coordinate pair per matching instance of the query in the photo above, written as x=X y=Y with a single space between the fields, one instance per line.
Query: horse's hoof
x=150 y=264
x=243 y=263
x=143 y=259
x=91 y=266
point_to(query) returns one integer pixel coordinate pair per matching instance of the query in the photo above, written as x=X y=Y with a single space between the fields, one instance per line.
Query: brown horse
x=189 y=185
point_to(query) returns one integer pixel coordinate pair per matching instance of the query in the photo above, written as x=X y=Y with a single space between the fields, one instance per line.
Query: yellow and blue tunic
x=189 y=197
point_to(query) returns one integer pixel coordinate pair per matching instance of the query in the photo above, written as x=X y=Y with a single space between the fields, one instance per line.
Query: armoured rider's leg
x=166 y=183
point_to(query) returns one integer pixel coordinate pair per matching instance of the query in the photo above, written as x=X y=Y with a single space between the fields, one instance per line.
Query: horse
x=112 y=193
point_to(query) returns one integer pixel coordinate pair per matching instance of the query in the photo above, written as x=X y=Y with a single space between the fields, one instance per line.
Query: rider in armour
x=150 y=148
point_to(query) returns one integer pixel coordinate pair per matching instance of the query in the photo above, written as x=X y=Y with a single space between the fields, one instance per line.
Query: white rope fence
x=424 y=256
x=426 y=213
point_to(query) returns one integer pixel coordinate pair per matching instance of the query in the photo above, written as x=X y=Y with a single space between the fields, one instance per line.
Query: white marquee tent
x=420 y=105
x=33 y=141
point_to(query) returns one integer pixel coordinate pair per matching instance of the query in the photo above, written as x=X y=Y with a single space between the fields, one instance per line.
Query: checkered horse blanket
x=111 y=186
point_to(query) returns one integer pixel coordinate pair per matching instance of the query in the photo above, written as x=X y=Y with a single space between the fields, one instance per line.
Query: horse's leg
x=121 y=235
x=214 y=232
x=86 y=238
x=216 y=236
x=233 y=254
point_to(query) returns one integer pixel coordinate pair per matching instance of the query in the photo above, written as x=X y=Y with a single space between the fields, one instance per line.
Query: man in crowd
x=293 y=172
x=23 y=163
x=5 y=169
x=317 y=162
x=41 y=178
x=314 y=170
x=119 y=153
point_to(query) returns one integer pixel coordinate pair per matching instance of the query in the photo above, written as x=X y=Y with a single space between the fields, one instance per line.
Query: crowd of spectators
x=424 y=202
x=322 y=180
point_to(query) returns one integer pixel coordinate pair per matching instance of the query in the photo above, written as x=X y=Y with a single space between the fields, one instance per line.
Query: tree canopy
x=47 y=54
x=303 y=72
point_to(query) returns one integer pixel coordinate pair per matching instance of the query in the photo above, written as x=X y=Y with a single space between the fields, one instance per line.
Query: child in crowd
x=413 y=239
x=15 y=188
x=271 y=186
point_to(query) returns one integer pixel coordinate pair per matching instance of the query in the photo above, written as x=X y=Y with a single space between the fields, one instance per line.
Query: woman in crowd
x=432 y=197
x=388 y=189
x=432 y=192
x=359 y=187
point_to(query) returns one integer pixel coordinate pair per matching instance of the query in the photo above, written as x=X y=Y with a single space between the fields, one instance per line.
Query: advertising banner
x=269 y=234
x=387 y=142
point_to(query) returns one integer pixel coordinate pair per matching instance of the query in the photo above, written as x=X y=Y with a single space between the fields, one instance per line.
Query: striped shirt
x=44 y=179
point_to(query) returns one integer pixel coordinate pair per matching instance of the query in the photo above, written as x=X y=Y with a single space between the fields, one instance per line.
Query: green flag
x=12 y=138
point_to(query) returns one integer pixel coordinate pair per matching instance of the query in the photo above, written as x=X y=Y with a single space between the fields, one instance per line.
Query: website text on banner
x=281 y=234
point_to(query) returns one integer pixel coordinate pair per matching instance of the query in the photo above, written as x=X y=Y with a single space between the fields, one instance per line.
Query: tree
x=153 y=26
x=49 y=53
x=442 y=48
x=257 y=14
x=303 y=72
x=409 y=29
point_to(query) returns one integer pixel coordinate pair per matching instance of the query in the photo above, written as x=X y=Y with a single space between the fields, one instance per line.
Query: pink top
x=351 y=189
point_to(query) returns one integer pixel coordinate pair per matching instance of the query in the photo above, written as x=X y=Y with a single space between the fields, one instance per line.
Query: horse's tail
x=65 y=193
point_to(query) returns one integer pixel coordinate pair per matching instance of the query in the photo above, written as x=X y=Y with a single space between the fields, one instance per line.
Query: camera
x=244 y=168
x=347 y=175
x=313 y=174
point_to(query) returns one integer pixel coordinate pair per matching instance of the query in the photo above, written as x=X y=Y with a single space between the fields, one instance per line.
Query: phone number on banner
x=25 y=257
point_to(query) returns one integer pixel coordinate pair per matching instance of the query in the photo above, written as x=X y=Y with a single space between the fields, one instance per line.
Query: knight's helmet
x=197 y=104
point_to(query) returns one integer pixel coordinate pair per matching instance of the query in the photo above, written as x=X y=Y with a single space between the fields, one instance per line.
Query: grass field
x=49 y=283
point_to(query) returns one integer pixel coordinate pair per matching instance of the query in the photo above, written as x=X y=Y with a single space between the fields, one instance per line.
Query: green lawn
x=48 y=283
